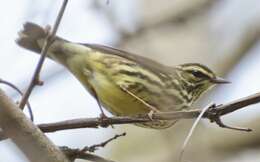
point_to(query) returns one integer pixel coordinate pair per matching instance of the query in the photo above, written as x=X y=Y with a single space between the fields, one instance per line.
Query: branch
x=79 y=154
x=15 y=125
x=93 y=148
x=213 y=114
x=35 y=79
x=21 y=93
x=74 y=154
x=34 y=144
x=48 y=41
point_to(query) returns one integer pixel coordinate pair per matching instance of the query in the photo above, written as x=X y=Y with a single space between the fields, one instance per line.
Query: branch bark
x=34 y=144
x=48 y=41
x=35 y=78
x=213 y=114
x=79 y=154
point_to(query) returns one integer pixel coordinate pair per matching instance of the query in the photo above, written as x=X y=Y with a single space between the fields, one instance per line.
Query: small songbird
x=123 y=83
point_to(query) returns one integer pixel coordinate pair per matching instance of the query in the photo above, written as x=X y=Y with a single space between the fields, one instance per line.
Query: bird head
x=197 y=78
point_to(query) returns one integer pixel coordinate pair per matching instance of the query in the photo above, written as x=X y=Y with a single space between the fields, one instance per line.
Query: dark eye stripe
x=199 y=74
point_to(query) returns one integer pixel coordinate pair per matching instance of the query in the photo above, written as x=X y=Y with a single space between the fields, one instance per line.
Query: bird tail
x=29 y=36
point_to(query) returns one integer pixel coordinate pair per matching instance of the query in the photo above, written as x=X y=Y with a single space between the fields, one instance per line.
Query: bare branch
x=35 y=145
x=84 y=153
x=35 y=79
x=48 y=41
x=213 y=114
x=79 y=154
x=21 y=93
x=93 y=148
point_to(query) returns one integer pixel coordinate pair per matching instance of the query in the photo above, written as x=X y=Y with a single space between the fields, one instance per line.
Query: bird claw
x=104 y=121
x=150 y=115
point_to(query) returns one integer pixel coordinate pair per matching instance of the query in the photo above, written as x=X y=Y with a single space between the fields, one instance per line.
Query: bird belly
x=114 y=99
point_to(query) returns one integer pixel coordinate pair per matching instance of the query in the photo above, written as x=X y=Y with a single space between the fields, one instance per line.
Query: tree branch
x=213 y=114
x=21 y=93
x=94 y=147
x=74 y=154
x=48 y=41
x=35 y=79
x=33 y=143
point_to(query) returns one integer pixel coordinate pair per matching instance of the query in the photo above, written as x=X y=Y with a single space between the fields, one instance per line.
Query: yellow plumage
x=124 y=83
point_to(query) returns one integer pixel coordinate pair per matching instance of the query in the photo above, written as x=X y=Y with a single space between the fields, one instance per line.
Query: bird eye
x=199 y=74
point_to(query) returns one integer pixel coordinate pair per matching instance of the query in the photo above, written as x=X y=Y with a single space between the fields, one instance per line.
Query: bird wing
x=142 y=61
x=137 y=97
x=153 y=101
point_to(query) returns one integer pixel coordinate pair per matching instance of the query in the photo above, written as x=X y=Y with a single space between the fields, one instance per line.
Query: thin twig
x=187 y=139
x=212 y=114
x=48 y=41
x=84 y=153
x=21 y=93
x=93 y=148
x=220 y=123
x=73 y=154
x=35 y=79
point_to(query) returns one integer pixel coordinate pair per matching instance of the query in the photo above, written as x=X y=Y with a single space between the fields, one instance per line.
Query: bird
x=124 y=83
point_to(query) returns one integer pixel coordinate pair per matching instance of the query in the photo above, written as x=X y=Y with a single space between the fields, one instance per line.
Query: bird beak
x=219 y=80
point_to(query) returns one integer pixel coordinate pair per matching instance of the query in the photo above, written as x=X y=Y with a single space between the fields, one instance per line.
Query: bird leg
x=103 y=117
x=150 y=114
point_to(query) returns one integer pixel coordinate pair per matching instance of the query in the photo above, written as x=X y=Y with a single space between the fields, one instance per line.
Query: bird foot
x=104 y=120
x=150 y=115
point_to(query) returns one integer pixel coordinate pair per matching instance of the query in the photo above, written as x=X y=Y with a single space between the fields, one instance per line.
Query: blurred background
x=222 y=34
